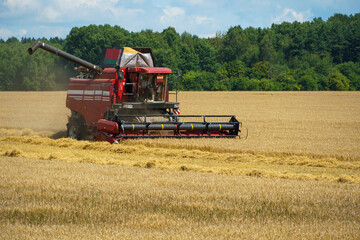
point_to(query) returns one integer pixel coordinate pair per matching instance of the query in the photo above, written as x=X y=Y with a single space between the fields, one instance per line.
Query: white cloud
x=200 y=17
x=173 y=11
x=195 y=2
x=134 y=1
x=6 y=33
x=176 y=15
x=56 y=11
x=49 y=14
x=23 y=32
x=199 y=20
x=290 y=15
x=182 y=21
x=172 y=15
x=49 y=31
x=21 y=5
x=69 y=4
x=212 y=35
x=20 y=8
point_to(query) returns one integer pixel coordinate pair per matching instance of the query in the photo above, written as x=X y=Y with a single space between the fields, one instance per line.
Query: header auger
x=127 y=96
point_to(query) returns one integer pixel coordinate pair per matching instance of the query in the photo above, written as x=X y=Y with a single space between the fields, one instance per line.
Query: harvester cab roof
x=127 y=57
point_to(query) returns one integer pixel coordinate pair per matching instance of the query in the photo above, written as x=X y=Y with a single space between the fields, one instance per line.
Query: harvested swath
x=135 y=153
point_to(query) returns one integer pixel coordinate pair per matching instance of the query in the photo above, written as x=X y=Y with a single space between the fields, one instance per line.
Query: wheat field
x=325 y=123
x=296 y=176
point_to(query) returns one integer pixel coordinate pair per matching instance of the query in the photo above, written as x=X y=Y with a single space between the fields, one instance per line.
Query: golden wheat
x=297 y=175
x=292 y=122
x=38 y=111
x=297 y=135
x=55 y=199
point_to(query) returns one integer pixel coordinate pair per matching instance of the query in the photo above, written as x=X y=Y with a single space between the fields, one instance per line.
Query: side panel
x=90 y=97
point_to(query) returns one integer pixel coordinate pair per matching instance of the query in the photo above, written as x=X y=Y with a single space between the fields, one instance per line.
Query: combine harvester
x=127 y=96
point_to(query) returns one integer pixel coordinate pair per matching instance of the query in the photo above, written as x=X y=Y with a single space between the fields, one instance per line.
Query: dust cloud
x=33 y=113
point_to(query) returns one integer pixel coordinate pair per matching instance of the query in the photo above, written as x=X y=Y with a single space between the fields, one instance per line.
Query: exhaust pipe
x=38 y=44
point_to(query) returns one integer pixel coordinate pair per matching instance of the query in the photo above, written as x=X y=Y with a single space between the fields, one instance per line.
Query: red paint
x=92 y=98
x=107 y=126
x=148 y=70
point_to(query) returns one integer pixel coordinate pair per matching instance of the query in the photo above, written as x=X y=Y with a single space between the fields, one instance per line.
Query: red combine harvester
x=127 y=96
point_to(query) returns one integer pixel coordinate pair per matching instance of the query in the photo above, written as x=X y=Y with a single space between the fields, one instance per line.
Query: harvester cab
x=141 y=80
x=127 y=96
x=146 y=85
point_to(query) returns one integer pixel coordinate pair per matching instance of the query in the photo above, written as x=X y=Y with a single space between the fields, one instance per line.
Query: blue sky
x=51 y=18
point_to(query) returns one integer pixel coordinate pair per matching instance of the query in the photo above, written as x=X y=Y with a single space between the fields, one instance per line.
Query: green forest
x=309 y=56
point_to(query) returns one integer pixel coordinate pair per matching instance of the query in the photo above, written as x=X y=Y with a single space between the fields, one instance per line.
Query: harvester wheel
x=74 y=130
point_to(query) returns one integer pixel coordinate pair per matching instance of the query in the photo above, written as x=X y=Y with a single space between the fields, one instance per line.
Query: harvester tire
x=74 y=130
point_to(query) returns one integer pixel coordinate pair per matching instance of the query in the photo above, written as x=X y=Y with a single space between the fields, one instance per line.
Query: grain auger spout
x=38 y=44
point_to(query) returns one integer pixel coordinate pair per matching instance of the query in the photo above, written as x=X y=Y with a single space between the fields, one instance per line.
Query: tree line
x=314 y=55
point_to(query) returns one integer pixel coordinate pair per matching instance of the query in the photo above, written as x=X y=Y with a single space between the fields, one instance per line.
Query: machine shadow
x=63 y=134
x=59 y=134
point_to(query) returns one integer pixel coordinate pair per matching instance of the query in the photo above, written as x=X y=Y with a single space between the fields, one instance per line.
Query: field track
x=297 y=176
